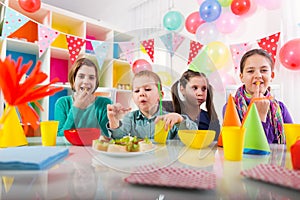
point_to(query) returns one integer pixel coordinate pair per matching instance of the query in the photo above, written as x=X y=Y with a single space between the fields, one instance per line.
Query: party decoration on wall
x=202 y=63
x=270 y=44
x=17 y=94
x=194 y=49
x=255 y=138
x=289 y=54
x=193 y=21
x=30 y=5
x=149 y=46
x=172 y=41
x=165 y=77
x=143 y=50
x=141 y=65
x=173 y=21
x=206 y=33
x=218 y=53
x=128 y=50
x=231 y=117
x=240 y=7
x=46 y=37
x=12 y=22
x=100 y=48
x=74 y=46
x=227 y=22
x=210 y=10
x=237 y=51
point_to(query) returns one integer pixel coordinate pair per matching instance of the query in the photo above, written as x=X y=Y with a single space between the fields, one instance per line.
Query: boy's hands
x=115 y=112
x=170 y=119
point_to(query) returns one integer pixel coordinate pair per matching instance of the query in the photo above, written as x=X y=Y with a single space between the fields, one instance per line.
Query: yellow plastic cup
x=49 y=132
x=233 y=142
x=160 y=134
x=292 y=132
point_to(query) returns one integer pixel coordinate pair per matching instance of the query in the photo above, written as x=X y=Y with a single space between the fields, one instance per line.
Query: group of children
x=84 y=109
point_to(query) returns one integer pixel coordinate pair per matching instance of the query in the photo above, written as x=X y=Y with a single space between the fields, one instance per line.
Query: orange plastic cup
x=233 y=142
x=49 y=132
x=160 y=134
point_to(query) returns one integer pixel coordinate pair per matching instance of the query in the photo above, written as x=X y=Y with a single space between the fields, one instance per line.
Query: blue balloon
x=173 y=21
x=210 y=10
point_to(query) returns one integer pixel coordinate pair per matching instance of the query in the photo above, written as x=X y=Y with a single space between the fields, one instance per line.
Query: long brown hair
x=185 y=78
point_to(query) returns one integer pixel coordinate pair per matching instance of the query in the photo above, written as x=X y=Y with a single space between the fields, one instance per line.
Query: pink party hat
x=231 y=117
x=255 y=138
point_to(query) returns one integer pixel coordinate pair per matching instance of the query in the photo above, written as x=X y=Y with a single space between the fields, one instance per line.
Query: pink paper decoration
x=128 y=50
x=149 y=46
x=237 y=51
x=194 y=50
x=46 y=37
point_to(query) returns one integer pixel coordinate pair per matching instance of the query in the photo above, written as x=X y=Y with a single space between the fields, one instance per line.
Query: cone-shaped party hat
x=255 y=138
x=231 y=117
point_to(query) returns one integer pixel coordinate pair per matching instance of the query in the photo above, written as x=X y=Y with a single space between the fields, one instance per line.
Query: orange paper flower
x=19 y=93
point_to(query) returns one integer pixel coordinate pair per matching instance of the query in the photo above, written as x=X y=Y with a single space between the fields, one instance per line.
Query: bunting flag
x=74 y=45
x=237 y=51
x=194 y=50
x=46 y=37
x=172 y=41
x=128 y=50
x=177 y=41
x=12 y=22
x=270 y=44
x=149 y=46
x=100 y=48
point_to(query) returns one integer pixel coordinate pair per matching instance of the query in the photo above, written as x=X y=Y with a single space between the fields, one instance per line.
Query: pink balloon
x=289 y=54
x=141 y=65
x=220 y=79
x=193 y=21
x=227 y=22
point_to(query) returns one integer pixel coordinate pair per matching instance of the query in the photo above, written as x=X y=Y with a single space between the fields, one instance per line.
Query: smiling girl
x=82 y=109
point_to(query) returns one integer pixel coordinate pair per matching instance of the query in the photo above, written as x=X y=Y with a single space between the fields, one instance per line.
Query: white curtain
x=289 y=79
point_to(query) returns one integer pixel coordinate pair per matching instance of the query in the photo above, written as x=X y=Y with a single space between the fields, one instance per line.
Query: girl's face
x=145 y=94
x=257 y=68
x=195 y=92
x=85 y=79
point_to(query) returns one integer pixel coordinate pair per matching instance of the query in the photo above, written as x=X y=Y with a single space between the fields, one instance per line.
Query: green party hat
x=255 y=138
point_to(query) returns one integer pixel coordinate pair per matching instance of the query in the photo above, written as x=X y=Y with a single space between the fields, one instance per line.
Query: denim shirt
x=137 y=124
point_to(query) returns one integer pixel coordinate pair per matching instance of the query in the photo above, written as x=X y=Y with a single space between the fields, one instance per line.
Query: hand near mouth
x=262 y=103
x=83 y=98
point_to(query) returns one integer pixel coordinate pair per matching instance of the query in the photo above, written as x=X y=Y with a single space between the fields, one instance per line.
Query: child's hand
x=262 y=103
x=170 y=119
x=83 y=98
x=115 y=112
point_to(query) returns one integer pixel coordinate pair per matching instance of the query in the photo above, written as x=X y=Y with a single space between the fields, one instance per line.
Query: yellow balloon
x=218 y=53
x=165 y=77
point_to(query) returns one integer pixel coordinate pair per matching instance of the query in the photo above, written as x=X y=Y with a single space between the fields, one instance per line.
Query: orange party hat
x=255 y=138
x=231 y=117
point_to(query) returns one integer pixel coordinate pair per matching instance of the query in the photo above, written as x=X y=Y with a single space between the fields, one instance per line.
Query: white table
x=86 y=174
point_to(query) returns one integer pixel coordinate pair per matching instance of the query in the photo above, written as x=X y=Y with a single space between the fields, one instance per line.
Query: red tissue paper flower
x=19 y=93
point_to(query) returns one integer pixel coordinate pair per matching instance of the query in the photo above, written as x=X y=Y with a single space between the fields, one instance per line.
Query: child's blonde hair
x=150 y=74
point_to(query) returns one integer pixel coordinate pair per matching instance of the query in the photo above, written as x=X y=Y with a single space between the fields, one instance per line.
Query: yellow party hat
x=255 y=138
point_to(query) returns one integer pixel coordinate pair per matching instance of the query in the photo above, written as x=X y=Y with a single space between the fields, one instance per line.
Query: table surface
x=88 y=174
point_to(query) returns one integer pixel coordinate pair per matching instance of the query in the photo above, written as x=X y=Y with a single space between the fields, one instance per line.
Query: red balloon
x=193 y=21
x=240 y=7
x=289 y=54
x=30 y=5
x=141 y=65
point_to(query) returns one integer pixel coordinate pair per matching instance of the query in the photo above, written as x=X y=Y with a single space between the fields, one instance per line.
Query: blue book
x=31 y=157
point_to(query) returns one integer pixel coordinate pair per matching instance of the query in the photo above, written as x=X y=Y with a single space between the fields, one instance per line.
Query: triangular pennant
x=8 y=182
x=167 y=40
x=231 y=117
x=177 y=41
x=128 y=50
x=12 y=22
x=149 y=46
x=100 y=49
x=74 y=45
x=270 y=44
x=237 y=51
x=255 y=138
x=46 y=37
x=194 y=49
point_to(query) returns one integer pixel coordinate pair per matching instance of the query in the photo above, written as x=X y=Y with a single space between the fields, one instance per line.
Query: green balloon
x=225 y=3
x=173 y=21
